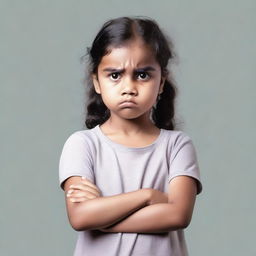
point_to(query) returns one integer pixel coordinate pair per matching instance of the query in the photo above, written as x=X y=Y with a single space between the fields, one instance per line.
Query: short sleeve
x=184 y=160
x=75 y=159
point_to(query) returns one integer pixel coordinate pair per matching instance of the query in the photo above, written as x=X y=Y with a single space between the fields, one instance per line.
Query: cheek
x=108 y=96
x=150 y=91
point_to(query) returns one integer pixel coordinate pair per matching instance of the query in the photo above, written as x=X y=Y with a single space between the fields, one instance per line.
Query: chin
x=131 y=116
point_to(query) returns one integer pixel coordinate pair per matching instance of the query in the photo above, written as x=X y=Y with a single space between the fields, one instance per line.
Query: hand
x=157 y=196
x=83 y=191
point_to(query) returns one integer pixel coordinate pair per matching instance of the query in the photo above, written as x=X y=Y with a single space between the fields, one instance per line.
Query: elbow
x=179 y=220
x=82 y=227
x=77 y=227
x=76 y=224
x=82 y=222
x=180 y=217
x=183 y=222
x=80 y=217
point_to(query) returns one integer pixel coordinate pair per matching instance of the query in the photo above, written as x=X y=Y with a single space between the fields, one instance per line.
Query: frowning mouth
x=128 y=103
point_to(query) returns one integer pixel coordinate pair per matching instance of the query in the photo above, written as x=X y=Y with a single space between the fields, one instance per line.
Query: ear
x=161 y=84
x=96 y=83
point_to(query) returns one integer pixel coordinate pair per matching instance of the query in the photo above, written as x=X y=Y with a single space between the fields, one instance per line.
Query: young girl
x=131 y=179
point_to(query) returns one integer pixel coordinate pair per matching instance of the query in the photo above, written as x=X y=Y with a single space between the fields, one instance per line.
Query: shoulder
x=81 y=135
x=179 y=142
x=80 y=138
x=175 y=138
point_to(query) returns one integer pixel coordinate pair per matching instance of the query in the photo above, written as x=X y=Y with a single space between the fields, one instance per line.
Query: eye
x=114 y=76
x=143 y=76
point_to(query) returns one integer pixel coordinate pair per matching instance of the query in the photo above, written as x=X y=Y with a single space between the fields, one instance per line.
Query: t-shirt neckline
x=127 y=148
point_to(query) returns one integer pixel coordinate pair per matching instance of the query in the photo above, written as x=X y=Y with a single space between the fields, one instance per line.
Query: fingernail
x=83 y=178
x=70 y=191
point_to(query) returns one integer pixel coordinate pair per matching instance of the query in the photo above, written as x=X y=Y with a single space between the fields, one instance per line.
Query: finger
x=70 y=191
x=77 y=200
x=87 y=182
x=79 y=195
x=84 y=187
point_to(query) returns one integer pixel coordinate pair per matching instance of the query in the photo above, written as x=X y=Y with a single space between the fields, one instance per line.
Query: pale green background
x=42 y=104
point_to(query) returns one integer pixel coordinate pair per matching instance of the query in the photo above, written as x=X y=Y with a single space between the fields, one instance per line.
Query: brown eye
x=115 y=76
x=143 y=76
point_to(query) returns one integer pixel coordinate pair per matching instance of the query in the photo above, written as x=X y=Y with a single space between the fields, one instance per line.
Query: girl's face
x=130 y=72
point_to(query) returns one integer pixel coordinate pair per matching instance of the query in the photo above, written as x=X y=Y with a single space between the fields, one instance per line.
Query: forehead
x=132 y=54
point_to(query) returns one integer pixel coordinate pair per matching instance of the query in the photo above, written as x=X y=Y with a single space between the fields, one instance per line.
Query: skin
x=122 y=75
x=140 y=211
x=129 y=79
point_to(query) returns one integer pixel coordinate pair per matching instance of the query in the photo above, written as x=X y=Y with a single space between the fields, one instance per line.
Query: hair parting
x=115 y=33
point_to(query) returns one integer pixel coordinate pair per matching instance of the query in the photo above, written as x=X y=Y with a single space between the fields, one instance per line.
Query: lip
x=127 y=103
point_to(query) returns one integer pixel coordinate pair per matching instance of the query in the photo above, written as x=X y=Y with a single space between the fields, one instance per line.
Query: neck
x=128 y=127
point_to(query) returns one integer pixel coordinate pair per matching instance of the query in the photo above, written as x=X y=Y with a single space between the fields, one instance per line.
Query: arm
x=103 y=211
x=163 y=217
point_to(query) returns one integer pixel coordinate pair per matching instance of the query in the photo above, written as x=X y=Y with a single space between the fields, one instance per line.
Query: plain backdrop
x=42 y=103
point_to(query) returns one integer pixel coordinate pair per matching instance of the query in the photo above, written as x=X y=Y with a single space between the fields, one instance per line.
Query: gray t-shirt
x=115 y=169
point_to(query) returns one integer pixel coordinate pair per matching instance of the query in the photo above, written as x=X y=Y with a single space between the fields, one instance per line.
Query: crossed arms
x=142 y=211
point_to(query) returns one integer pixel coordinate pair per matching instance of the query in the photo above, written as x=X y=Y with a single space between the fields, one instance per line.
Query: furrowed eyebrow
x=115 y=70
x=145 y=69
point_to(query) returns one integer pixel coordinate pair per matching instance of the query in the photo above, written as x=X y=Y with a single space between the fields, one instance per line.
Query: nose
x=129 y=87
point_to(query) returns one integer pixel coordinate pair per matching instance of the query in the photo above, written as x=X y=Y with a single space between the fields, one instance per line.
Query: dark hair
x=115 y=33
